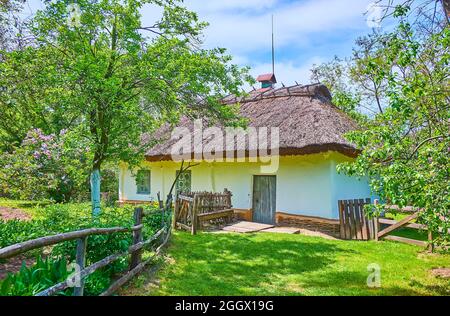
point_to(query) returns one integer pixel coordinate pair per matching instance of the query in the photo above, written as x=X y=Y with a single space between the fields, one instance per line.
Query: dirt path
x=13 y=265
x=8 y=213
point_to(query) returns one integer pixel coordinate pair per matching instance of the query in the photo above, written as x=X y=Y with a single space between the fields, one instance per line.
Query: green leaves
x=125 y=83
x=30 y=281
x=405 y=148
x=112 y=80
x=60 y=218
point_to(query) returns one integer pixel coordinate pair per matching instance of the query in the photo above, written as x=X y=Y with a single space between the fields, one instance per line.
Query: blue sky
x=306 y=31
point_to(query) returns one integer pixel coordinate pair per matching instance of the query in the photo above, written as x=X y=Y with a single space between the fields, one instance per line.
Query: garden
x=42 y=269
x=82 y=95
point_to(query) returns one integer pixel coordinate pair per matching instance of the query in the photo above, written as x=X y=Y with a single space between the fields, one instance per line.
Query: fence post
x=81 y=262
x=174 y=214
x=376 y=224
x=137 y=238
x=228 y=193
x=194 y=215
x=341 y=219
x=160 y=202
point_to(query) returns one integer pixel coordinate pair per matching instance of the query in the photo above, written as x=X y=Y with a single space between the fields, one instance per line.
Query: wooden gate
x=354 y=223
x=192 y=209
x=264 y=199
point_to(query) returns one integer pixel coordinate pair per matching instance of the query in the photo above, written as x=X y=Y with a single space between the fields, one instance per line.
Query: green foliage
x=58 y=218
x=15 y=231
x=396 y=87
x=405 y=147
x=44 y=167
x=110 y=81
x=42 y=275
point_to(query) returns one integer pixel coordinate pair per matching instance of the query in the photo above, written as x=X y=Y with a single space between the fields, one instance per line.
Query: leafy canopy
x=112 y=79
x=405 y=147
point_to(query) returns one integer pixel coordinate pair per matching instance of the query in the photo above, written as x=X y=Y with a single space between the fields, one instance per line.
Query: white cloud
x=221 y=5
x=303 y=26
x=249 y=30
x=244 y=28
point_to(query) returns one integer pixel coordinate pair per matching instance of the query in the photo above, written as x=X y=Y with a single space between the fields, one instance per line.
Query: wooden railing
x=135 y=250
x=405 y=222
x=354 y=223
x=192 y=209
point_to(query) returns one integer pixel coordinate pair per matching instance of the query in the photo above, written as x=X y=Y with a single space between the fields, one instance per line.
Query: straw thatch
x=307 y=121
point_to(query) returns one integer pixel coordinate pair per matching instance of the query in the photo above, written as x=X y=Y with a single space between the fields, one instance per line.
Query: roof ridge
x=285 y=91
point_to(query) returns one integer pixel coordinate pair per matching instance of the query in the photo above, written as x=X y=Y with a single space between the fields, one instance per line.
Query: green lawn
x=281 y=264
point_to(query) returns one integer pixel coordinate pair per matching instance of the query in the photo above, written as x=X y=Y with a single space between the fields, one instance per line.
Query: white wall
x=304 y=186
x=346 y=188
x=161 y=178
x=307 y=185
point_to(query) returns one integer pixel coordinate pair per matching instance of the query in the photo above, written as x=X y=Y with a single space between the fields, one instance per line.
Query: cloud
x=230 y=5
x=306 y=31
x=246 y=31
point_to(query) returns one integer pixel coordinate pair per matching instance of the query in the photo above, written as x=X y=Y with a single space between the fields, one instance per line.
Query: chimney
x=267 y=81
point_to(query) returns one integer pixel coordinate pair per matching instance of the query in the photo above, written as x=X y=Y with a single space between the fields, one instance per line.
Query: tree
x=335 y=75
x=114 y=80
x=10 y=24
x=405 y=147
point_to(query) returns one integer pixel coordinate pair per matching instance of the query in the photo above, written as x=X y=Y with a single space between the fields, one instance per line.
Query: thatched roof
x=308 y=122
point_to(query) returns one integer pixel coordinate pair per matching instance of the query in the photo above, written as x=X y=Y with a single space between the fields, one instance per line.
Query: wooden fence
x=193 y=209
x=354 y=223
x=392 y=225
x=135 y=250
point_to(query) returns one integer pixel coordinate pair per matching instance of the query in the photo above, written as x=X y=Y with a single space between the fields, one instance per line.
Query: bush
x=59 y=218
x=42 y=275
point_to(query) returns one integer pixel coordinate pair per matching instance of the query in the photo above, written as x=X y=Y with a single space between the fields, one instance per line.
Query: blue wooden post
x=95 y=192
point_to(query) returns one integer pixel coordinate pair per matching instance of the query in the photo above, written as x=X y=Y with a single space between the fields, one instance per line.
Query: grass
x=283 y=264
x=406 y=232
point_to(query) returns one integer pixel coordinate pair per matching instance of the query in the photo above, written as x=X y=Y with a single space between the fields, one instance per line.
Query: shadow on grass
x=353 y=283
x=234 y=264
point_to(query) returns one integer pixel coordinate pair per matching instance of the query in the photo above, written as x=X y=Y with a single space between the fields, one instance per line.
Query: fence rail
x=135 y=250
x=354 y=223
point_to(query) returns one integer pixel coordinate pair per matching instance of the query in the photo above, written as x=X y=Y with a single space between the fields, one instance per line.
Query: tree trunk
x=95 y=192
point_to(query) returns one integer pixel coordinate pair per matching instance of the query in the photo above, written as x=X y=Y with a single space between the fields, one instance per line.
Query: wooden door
x=264 y=199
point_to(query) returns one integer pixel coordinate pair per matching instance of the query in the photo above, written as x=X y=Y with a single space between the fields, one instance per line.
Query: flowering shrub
x=49 y=166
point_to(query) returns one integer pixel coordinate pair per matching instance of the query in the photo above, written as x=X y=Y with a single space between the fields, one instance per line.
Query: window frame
x=138 y=185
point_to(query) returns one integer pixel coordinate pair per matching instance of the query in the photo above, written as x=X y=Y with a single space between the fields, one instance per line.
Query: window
x=184 y=181
x=143 y=182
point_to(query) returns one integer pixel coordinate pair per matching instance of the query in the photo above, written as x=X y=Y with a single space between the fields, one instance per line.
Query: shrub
x=59 y=218
x=42 y=275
